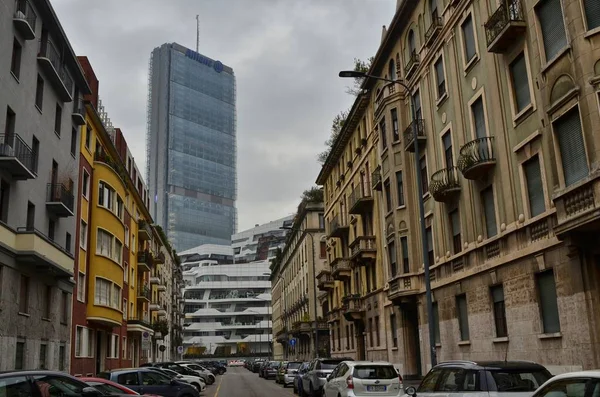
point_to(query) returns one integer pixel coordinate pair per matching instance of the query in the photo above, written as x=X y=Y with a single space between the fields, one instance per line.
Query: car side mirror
x=90 y=392
x=411 y=391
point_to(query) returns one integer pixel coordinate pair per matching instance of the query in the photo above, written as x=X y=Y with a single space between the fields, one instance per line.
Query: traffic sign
x=293 y=342
x=180 y=349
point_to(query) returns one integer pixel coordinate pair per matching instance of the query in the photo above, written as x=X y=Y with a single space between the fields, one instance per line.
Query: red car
x=108 y=387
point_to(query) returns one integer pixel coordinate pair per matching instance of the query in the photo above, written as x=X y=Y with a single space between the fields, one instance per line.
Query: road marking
x=219 y=386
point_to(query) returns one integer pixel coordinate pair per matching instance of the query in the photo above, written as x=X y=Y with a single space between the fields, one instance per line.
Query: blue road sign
x=293 y=342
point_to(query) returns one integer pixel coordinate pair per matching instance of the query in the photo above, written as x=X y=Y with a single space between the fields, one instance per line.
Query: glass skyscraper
x=191 y=147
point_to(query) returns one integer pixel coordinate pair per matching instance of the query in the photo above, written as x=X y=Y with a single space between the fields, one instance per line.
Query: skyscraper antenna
x=197 y=33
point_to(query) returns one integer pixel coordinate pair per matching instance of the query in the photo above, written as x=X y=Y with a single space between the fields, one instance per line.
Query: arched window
x=392 y=70
x=411 y=43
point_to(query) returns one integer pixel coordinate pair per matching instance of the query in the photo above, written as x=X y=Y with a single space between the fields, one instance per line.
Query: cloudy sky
x=285 y=53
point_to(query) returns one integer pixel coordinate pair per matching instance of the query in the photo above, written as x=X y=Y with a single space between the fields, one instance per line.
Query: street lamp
x=315 y=325
x=424 y=248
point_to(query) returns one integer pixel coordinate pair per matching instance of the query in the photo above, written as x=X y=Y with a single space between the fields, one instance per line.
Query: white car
x=200 y=369
x=363 y=378
x=195 y=381
x=572 y=384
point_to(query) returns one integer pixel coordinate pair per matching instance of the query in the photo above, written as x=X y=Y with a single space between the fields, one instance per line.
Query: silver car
x=314 y=380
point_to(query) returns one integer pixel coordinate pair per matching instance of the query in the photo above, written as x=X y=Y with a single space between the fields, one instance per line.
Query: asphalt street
x=239 y=382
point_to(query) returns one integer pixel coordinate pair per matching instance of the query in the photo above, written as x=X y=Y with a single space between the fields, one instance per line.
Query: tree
x=312 y=195
x=359 y=66
x=336 y=128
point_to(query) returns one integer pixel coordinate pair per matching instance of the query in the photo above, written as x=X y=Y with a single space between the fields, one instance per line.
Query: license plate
x=375 y=388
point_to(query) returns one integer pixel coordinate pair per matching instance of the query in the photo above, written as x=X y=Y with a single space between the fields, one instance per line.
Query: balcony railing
x=404 y=285
x=434 y=29
x=445 y=184
x=340 y=269
x=337 y=227
x=143 y=321
x=325 y=281
x=477 y=158
x=361 y=199
x=144 y=292
x=144 y=230
x=16 y=157
x=25 y=19
x=78 y=115
x=578 y=208
x=411 y=65
x=50 y=60
x=376 y=178
x=409 y=134
x=144 y=259
x=363 y=249
x=354 y=307
x=59 y=199
x=505 y=25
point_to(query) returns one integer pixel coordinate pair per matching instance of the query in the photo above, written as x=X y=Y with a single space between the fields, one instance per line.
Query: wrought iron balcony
x=50 y=61
x=361 y=199
x=337 y=227
x=144 y=260
x=411 y=65
x=325 y=281
x=409 y=135
x=354 y=308
x=403 y=286
x=363 y=250
x=340 y=269
x=433 y=31
x=578 y=210
x=505 y=25
x=477 y=158
x=16 y=157
x=144 y=230
x=25 y=19
x=445 y=184
x=59 y=200
x=376 y=178
x=78 y=115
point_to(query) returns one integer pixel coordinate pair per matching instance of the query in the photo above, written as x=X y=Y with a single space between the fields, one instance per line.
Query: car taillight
x=349 y=382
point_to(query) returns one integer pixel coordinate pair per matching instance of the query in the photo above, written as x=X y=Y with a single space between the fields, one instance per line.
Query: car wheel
x=221 y=371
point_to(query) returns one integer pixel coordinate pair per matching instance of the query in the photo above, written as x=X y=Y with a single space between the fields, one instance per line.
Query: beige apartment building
x=294 y=289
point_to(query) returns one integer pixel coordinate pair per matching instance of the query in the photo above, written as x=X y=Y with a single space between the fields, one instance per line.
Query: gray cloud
x=286 y=55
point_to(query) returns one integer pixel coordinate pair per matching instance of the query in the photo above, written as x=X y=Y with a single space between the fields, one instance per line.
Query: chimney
x=257 y=225
x=383 y=33
x=92 y=81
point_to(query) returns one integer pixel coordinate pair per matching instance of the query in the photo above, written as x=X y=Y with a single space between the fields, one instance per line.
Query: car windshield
x=293 y=365
x=329 y=364
x=106 y=389
x=515 y=380
x=374 y=372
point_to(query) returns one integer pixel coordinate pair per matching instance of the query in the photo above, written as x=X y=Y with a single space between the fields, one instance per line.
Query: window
x=479 y=119
x=64 y=307
x=73 y=141
x=458 y=380
x=124 y=309
x=436 y=323
x=570 y=387
x=455 y=227
x=469 y=39
x=417 y=104
x=68 y=242
x=51 y=229
x=463 y=317
x=129 y=379
x=43 y=349
x=395 y=126
x=592 y=14
x=572 y=147
x=118 y=252
x=57 y=119
x=448 y=155
x=85 y=184
x=119 y=207
x=430 y=380
x=400 y=188
x=347 y=337
x=535 y=188
x=550 y=16
x=116 y=297
x=433 y=9
x=392 y=70
x=39 y=93
x=392 y=258
x=520 y=82
x=405 y=261
x=107 y=245
x=78 y=341
x=83 y=235
x=48 y=302
x=15 y=64
x=30 y=222
x=499 y=311
x=440 y=77
x=321 y=221
x=88 y=135
x=35 y=152
x=424 y=176
x=393 y=330
x=124 y=347
x=373 y=276
x=126 y=273
x=383 y=134
x=24 y=295
x=377 y=330
x=4 y=200
x=388 y=195
x=489 y=211
x=127 y=236
x=548 y=302
x=412 y=46
x=81 y=287
x=429 y=235
x=371 y=332
x=106 y=196
x=20 y=355
x=102 y=292
x=323 y=249
x=61 y=357
x=351 y=336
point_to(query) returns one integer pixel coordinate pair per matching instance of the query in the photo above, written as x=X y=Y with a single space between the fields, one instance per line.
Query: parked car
x=110 y=388
x=236 y=363
x=193 y=380
x=256 y=364
x=298 y=378
x=289 y=372
x=572 y=384
x=280 y=372
x=359 y=378
x=220 y=367
x=43 y=383
x=271 y=369
x=480 y=379
x=145 y=380
x=205 y=373
x=314 y=380
x=208 y=377
x=262 y=368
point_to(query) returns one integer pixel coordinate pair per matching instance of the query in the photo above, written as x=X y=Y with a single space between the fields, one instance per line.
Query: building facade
x=295 y=288
x=192 y=133
x=503 y=104
x=260 y=242
x=41 y=85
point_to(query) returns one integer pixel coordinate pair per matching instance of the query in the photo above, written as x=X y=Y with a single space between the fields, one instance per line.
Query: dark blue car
x=147 y=381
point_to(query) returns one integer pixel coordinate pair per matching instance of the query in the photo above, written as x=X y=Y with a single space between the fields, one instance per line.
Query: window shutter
x=572 y=151
x=535 y=189
x=520 y=80
x=548 y=302
x=592 y=13
x=553 y=27
x=490 y=212
x=467 y=28
x=479 y=118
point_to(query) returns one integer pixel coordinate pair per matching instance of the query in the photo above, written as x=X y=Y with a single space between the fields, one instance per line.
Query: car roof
x=33 y=372
x=143 y=369
x=355 y=363
x=491 y=365
x=594 y=373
